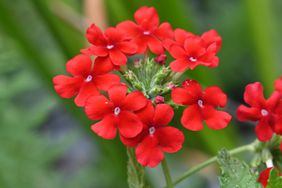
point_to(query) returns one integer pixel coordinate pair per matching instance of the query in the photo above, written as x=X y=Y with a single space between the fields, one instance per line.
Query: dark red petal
x=216 y=119
x=97 y=107
x=163 y=115
x=245 y=113
x=215 y=96
x=278 y=85
x=273 y=101
x=146 y=114
x=129 y=27
x=253 y=94
x=148 y=153
x=170 y=139
x=179 y=65
x=117 y=57
x=105 y=81
x=192 y=119
x=147 y=14
x=155 y=45
x=164 y=31
x=129 y=124
x=263 y=131
x=134 y=101
x=103 y=65
x=86 y=90
x=66 y=86
x=80 y=65
x=128 y=47
x=177 y=52
x=263 y=176
x=277 y=127
x=117 y=93
x=106 y=128
x=114 y=35
x=182 y=96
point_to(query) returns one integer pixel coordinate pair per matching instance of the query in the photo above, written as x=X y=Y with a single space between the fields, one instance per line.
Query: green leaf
x=135 y=172
x=274 y=180
x=235 y=173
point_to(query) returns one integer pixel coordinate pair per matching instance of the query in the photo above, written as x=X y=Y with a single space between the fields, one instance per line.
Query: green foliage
x=135 y=172
x=235 y=173
x=274 y=180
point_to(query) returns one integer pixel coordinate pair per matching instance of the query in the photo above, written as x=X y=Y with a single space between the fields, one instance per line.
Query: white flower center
x=110 y=46
x=89 y=78
x=116 y=111
x=200 y=103
x=192 y=59
x=264 y=112
x=146 y=32
x=152 y=130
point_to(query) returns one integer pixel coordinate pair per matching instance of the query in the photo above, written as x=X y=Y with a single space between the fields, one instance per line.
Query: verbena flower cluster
x=140 y=109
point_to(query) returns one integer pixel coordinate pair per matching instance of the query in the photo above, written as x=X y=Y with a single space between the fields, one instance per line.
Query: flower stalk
x=167 y=175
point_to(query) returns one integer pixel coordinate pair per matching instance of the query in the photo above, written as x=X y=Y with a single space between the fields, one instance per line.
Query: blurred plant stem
x=166 y=173
x=193 y=170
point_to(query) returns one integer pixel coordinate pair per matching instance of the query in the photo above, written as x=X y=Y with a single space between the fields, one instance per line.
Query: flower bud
x=160 y=59
x=159 y=99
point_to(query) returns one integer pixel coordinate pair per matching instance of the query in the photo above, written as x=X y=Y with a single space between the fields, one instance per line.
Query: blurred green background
x=45 y=142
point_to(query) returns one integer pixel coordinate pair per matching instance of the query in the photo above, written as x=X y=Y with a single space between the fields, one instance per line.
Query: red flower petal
x=253 y=94
x=146 y=114
x=94 y=35
x=155 y=45
x=86 y=90
x=212 y=37
x=66 y=86
x=105 y=81
x=263 y=131
x=106 y=128
x=148 y=153
x=263 y=176
x=177 y=52
x=96 y=51
x=164 y=31
x=244 y=113
x=181 y=35
x=273 y=101
x=191 y=118
x=117 y=93
x=132 y=142
x=278 y=85
x=134 y=101
x=141 y=43
x=114 y=35
x=179 y=65
x=147 y=14
x=129 y=27
x=182 y=96
x=97 y=107
x=128 y=47
x=170 y=139
x=117 y=57
x=80 y=65
x=163 y=115
x=129 y=124
x=216 y=119
x=103 y=65
x=215 y=96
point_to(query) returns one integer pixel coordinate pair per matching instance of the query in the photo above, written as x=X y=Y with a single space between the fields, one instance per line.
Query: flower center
x=110 y=46
x=152 y=130
x=200 y=103
x=116 y=111
x=264 y=112
x=89 y=78
x=146 y=32
x=192 y=59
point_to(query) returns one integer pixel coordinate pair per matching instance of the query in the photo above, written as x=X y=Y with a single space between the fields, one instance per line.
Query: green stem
x=166 y=172
x=249 y=147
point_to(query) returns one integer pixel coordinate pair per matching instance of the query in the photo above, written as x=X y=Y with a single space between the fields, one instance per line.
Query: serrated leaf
x=274 y=180
x=235 y=173
x=135 y=172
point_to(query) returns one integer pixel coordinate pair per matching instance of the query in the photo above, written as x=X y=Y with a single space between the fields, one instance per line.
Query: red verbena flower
x=117 y=112
x=111 y=47
x=156 y=137
x=146 y=32
x=260 y=110
x=278 y=85
x=85 y=80
x=202 y=106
